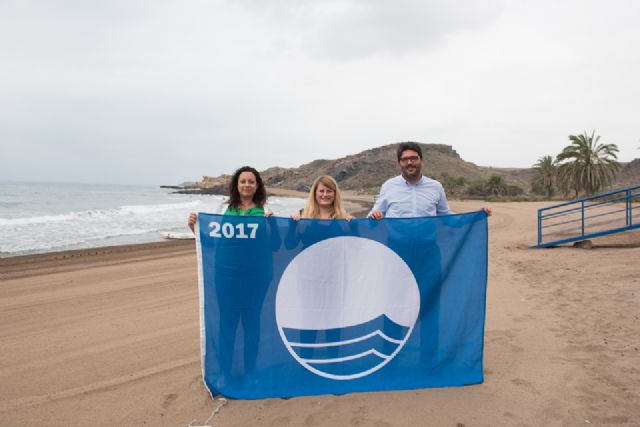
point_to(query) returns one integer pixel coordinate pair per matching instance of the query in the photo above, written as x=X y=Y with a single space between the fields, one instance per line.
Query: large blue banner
x=292 y=308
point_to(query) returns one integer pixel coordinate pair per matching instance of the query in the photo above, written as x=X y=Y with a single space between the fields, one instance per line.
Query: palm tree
x=589 y=166
x=567 y=176
x=546 y=173
x=496 y=185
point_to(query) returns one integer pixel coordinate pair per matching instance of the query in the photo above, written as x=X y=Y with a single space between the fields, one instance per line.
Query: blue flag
x=293 y=308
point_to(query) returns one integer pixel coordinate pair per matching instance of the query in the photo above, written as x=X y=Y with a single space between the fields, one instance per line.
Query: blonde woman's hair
x=312 y=210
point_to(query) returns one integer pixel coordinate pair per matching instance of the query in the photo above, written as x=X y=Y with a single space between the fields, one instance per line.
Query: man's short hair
x=408 y=146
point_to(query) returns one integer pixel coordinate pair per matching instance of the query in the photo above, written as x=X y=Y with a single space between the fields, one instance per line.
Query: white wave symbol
x=361 y=355
x=345 y=342
x=372 y=351
x=324 y=353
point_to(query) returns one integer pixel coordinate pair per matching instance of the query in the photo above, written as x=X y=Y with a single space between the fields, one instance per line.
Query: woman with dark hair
x=239 y=288
x=247 y=195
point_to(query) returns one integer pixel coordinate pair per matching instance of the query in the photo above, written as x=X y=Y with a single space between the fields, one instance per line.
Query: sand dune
x=111 y=337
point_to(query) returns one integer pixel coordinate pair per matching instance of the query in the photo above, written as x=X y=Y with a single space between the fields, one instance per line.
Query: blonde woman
x=324 y=201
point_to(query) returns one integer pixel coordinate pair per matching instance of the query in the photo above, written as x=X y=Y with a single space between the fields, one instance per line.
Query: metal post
x=628 y=210
x=582 y=204
x=539 y=227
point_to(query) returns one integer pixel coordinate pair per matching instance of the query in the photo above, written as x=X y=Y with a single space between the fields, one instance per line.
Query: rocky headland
x=364 y=172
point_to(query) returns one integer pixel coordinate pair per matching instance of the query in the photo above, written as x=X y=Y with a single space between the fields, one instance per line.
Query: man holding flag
x=411 y=194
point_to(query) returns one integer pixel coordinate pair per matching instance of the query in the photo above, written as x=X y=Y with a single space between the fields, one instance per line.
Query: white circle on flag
x=345 y=284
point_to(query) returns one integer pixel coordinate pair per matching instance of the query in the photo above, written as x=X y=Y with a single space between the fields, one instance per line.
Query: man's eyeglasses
x=409 y=159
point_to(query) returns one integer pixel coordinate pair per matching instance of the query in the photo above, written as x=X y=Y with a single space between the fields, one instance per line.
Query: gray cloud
x=351 y=29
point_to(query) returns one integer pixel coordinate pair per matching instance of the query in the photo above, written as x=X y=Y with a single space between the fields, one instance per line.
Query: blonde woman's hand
x=348 y=217
x=295 y=217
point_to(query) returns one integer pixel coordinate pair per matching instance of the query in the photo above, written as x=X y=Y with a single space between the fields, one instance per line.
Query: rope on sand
x=223 y=402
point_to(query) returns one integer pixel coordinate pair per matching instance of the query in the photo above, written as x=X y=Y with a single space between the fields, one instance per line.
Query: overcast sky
x=164 y=91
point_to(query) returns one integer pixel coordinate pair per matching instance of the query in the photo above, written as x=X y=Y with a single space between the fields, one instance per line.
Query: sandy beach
x=111 y=337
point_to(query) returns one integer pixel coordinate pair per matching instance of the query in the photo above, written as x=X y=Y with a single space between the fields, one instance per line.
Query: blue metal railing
x=589 y=217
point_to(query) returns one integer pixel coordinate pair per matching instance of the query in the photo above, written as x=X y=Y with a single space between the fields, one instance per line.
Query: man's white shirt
x=401 y=199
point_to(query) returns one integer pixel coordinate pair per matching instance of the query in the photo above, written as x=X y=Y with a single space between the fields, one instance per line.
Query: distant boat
x=177 y=235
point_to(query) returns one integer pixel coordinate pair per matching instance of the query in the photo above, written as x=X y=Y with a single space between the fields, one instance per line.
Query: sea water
x=48 y=217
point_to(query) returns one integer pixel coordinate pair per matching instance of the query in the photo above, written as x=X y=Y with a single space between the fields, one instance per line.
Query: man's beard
x=415 y=174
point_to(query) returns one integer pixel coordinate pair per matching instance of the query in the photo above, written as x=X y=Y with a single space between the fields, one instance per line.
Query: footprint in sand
x=169 y=399
x=526 y=385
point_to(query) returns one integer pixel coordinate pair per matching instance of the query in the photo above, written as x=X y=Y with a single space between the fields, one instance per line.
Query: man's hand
x=376 y=215
x=487 y=211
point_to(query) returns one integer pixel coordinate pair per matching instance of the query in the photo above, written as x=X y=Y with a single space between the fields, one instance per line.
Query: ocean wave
x=101 y=214
x=36 y=218
x=151 y=209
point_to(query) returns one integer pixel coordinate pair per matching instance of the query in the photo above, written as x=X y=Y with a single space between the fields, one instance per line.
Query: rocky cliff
x=364 y=172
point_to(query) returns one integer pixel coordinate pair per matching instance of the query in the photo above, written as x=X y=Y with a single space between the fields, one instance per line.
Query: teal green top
x=257 y=211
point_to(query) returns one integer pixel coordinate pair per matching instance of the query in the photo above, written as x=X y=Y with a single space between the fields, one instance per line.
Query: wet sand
x=111 y=337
